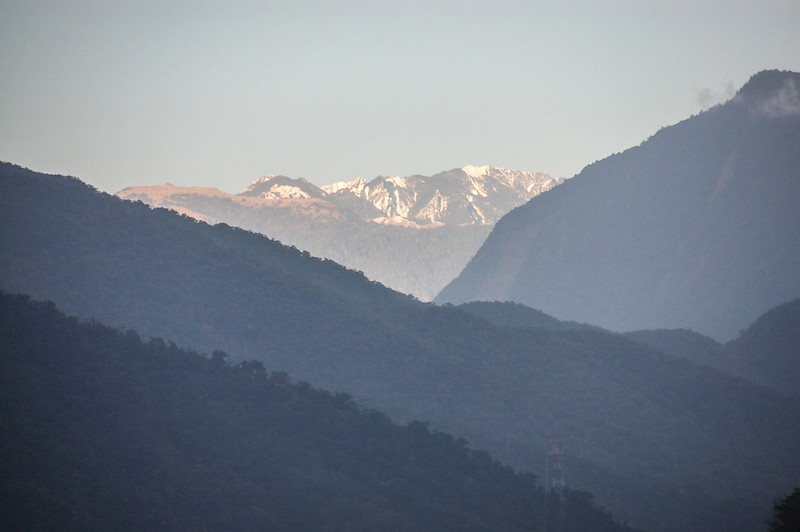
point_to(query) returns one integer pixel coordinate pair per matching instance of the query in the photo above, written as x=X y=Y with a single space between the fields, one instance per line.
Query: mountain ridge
x=411 y=198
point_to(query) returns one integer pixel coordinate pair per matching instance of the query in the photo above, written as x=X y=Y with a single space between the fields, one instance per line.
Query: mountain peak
x=477 y=171
x=277 y=186
x=773 y=93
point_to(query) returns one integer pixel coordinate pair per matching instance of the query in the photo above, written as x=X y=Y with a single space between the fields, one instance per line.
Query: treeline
x=101 y=430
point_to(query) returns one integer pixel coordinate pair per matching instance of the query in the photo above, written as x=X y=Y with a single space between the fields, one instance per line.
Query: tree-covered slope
x=695 y=228
x=102 y=431
x=636 y=425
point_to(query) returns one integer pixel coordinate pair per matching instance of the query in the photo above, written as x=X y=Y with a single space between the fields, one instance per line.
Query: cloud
x=785 y=101
x=706 y=97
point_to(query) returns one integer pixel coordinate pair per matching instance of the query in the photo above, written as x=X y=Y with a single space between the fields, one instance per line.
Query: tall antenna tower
x=554 y=483
x=555 y=467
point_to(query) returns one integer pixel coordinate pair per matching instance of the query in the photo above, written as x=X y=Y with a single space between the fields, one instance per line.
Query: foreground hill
x=662 y=443
x=413 y=234
x=101 y=431
x=696 y=228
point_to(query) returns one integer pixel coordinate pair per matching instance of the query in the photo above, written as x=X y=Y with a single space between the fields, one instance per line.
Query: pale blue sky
x=218 y=93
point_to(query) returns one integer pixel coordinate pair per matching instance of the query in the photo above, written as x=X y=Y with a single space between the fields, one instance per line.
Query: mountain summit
x=281 y=187
x=695 y=228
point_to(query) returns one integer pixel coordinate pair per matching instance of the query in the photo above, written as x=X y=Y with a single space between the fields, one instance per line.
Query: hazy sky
x=218 y=93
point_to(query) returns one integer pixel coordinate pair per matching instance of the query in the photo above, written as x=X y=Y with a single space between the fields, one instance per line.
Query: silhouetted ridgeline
x=662 y=443
x=102 y=431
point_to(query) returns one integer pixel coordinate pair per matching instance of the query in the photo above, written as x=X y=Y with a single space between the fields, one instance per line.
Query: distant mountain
x=767 y=352
x=696 y=228
x=413 y=234
x=469 y=195
x=282 y=187
x=102 y=431
x=690 y=345
x=662 y=443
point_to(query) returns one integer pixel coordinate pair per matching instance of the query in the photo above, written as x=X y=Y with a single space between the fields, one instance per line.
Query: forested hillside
x=661 y=442
x=101 y=430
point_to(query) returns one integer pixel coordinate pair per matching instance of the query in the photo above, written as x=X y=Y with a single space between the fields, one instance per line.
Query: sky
x=219 y=93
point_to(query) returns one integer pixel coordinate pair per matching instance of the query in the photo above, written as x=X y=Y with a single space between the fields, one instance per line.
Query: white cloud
x=785 y=102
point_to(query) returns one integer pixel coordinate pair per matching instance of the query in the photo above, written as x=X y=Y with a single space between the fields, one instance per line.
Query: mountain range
x=696 y=228
x=662 y=442
x=413 y=234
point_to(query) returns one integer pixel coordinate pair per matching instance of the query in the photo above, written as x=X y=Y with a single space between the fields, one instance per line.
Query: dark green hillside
x=637 y=426
x=102 y=431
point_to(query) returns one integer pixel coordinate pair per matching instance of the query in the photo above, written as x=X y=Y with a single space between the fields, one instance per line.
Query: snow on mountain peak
x=477 y=171
x=469 y=195
x=357 y=184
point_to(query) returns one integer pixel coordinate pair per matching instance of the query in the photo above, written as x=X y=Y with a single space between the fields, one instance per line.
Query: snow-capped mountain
x=413 y=234
x=469 y=195
x=463 y=196
x=278 y=186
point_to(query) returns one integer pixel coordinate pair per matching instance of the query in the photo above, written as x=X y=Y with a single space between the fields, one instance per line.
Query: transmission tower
x=554 y=483
x=555 y=467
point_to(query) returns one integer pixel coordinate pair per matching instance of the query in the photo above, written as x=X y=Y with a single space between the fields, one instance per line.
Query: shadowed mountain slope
x=638 y=427
x=695 y=228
